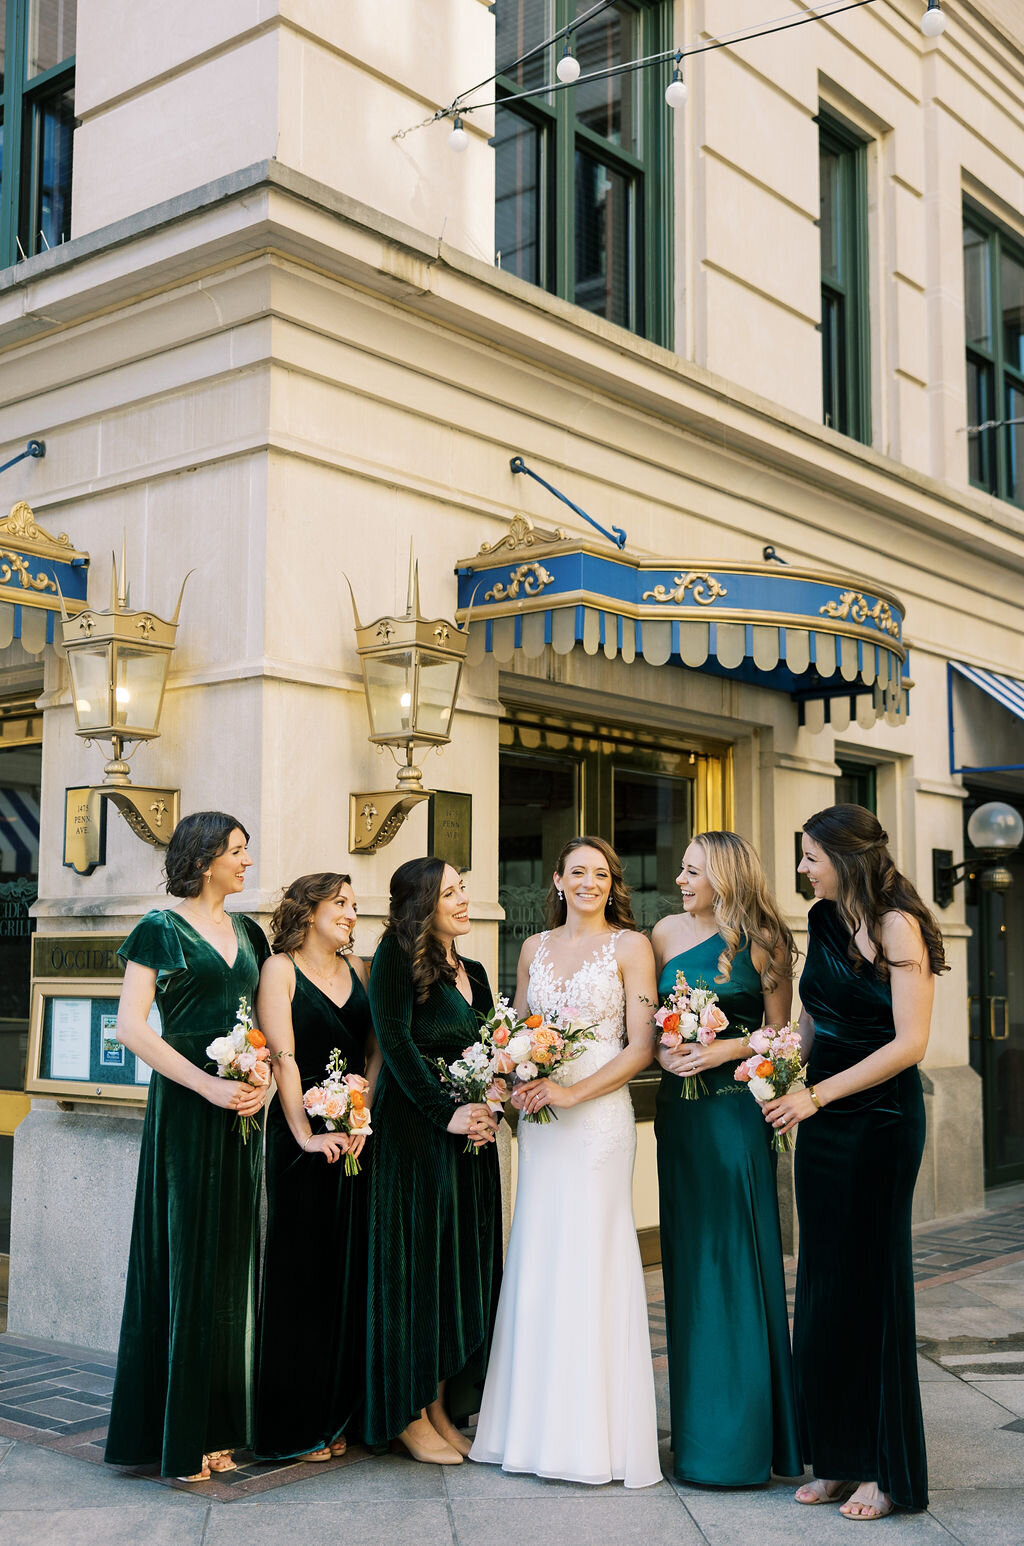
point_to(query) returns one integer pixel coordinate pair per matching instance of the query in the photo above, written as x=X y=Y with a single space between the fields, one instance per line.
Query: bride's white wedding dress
x=570 y=1387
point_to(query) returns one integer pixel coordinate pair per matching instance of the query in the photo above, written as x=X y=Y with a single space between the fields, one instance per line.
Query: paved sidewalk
x=971 y=1324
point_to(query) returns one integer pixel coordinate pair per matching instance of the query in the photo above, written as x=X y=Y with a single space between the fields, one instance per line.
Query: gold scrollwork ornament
x=12 y=564
x=853 y=605
x=704 y=586
x=532 y=577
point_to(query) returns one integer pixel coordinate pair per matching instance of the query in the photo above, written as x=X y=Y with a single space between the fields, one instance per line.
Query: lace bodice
x=595 y=995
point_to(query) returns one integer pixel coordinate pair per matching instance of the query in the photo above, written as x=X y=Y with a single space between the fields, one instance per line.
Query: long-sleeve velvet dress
x=854 y=1344
x=185 y=1359
x=730 y=1374
x=312 y=1324
x=435 y=1211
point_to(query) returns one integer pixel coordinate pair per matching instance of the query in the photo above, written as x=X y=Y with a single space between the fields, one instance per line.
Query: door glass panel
x=653 y=820
x=538 y=812
x=19 y=870
x=995 y=955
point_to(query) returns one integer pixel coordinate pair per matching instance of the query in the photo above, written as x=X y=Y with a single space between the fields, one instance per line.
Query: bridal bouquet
x=340 y=1100
x=539 y=1048
x=242 y=1054
x=687 y=1015
x=775 y=1068
x=471 y=1079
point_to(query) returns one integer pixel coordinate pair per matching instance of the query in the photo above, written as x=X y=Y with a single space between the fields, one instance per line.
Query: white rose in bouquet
x=761 y=1089
x=518 y=1049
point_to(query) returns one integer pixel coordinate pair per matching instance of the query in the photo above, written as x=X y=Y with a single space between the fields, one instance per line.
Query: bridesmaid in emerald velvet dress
x=183 y=1388
x=310 y=1002
x=730 y=1377
x=867 y=991
x=435 y=1210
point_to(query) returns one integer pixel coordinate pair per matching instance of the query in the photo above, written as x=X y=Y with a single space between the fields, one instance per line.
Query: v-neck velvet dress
x=854 y=1343
x=185 y=1359
x=435 y=1211
x=731 y=1397
x=312 y=1326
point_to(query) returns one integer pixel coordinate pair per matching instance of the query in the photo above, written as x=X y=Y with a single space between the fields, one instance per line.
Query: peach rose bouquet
x=690 y=1014
x=541 y=1047
x=474 y=1079
x=339 y=1100
x=242 y=1054
x=774 y=1068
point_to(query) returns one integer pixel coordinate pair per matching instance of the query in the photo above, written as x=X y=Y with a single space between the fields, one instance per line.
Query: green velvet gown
x=435 y=1211
x=730 y=1374
x=316 y=1243
x=185 y=1359
x=854 y=1344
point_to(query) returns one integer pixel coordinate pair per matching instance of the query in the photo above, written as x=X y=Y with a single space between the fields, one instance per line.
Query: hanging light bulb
x=458 y=139
x=677 y=91
x=568 y=67
x=933 y=22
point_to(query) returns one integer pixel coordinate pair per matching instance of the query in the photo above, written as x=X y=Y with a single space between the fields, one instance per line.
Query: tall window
x=583 y=184
x=857 y=784
x=845 y=334
x=994 y=327
x=37 y=111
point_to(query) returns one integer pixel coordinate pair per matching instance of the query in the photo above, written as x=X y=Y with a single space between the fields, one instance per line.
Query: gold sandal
x=226 y=1462
x=202 y=1475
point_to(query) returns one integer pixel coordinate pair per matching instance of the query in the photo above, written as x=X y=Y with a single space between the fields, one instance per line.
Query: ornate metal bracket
x=374 y=819
x=152 y=814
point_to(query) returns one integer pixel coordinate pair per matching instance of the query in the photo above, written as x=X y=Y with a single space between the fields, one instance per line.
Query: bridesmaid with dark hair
x=184 y=1362
x=873 y=952
x=312 y=999
x=435 y=1210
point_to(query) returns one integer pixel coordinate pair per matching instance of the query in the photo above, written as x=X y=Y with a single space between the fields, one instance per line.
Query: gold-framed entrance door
x=631 y=786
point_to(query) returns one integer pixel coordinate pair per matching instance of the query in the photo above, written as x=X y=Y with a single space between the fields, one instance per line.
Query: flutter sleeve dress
x=730 y=1374
x=183 y=1384
x=854 y=1343
x=435 y=1210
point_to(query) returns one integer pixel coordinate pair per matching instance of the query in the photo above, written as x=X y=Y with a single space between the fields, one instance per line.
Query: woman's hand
x=788 y=1110
x=690 y=1057
x=543 y=1092
x=236 y=1095
x=475 y=1121
x=355 y=1143
x=331 y=1145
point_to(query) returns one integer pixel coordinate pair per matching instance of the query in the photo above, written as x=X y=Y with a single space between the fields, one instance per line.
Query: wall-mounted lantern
x=994 y=830
x=412 y=667
x=118 y=661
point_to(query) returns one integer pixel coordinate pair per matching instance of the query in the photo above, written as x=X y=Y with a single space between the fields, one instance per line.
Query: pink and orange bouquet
x=774 y=1068
x=340 y=1101
x=538 y=1048
x=689 y=1015
x=242 y=1054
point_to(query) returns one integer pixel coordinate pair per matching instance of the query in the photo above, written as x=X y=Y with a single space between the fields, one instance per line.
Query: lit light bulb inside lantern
x=83 y=706
x=123 y=696
x=568 y=68
x=458 y=139
x=933 y=22
x=677 y=91
x=405 y=699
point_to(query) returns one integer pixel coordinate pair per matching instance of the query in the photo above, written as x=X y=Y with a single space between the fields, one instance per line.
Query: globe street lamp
x=994 y=830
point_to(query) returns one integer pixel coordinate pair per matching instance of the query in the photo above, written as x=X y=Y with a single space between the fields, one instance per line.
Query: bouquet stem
x=245 y=1125
x=783 y=1143
x=693 y=1087
x=545 y=1114
x=352 y=1166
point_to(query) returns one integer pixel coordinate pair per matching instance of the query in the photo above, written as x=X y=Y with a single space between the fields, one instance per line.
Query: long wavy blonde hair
x=745 y=909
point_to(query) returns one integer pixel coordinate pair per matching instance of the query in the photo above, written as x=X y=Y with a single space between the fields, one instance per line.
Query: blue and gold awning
x=36 y=569
x=833 y=641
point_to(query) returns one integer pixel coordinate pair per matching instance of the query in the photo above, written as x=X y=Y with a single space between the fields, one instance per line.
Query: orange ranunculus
x=257 y=1038
x=670 y=1022
x=533 y=1021
x=356 y=1100
x=764 y=1070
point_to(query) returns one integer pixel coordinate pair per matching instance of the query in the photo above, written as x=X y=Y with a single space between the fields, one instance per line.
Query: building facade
x=271 y=331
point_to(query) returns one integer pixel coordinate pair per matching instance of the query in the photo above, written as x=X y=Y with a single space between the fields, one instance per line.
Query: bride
x=570 y=1387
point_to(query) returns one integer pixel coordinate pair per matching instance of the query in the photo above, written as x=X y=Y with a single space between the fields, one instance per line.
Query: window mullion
x=1002 y=470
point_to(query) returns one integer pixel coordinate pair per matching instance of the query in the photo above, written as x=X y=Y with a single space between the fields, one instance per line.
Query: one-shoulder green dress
x=730 y=1375
x=435 y=1211
x=854 y=1344
x=312 y=1325
x=185 y=1359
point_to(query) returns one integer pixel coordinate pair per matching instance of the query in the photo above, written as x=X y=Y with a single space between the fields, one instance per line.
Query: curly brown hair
x=195 y=841
x=300 y=901
x=415 y=892
x=618 y=910
x=870 y=885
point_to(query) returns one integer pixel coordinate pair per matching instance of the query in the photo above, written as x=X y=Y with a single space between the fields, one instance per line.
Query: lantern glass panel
x=389 y=687
x=439 y=683
x=138 y=687
x=90 y=681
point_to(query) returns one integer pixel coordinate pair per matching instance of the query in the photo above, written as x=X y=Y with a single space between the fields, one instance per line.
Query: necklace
x=308 y=966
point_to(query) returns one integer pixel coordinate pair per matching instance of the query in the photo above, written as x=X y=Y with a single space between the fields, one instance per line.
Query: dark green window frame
x=562 y=144
x=35 y=209
x=845 y=304
x=994 y=340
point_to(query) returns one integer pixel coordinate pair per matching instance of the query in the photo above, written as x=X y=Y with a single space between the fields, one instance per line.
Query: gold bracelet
x=811 y=1092
x=308 y=1141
